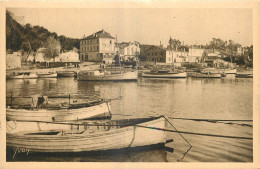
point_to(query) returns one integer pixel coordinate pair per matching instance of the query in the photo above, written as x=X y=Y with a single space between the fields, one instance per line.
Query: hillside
x=19 y=37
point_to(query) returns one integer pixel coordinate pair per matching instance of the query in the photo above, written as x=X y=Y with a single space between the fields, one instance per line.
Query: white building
x=97 y=47
x=128 y=50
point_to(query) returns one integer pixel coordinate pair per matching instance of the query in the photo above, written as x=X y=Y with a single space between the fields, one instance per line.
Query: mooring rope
x=184 y=154
x=177 y=131
x=201 y=134
x=210 y=120
x=231 y=122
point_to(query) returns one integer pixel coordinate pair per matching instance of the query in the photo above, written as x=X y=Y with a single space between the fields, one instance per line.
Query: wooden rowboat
x=96 y=111
x=114 y=134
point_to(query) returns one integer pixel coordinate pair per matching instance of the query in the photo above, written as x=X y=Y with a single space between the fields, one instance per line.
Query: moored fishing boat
x=92 y=136
x=14 y=76
x=228 y=71
x=98 y=110
x=204 y=75
x=23 y=75
x=66 y=73
x=47 y=75
x=223 y=72
x=107 y=76
x=30 y=75
x=247 y=74
x=164 y=74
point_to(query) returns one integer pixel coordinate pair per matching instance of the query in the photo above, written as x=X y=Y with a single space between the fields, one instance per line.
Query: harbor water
x=223 y=98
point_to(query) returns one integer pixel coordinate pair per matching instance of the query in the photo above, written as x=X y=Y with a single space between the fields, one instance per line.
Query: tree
x=217 y=43
x=52 y=48
x=174 y=44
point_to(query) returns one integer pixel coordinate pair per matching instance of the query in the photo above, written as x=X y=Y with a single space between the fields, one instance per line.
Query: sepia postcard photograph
x=143 y=82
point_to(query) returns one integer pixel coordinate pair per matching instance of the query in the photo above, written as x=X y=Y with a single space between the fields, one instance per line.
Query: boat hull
x=127 y=76
x=168 y=75
x=126 y=137
x=96 y=111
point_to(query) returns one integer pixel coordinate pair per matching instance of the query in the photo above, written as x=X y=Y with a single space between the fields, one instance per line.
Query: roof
x=99 y=34
x=125 y=44
x=156 y=47
x=163 y=48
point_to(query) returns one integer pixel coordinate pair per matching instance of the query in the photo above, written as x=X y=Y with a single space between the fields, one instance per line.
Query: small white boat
x=47 y=75
x=92 y=136
x=107 y=76
x=96 y=111
x=164 y=74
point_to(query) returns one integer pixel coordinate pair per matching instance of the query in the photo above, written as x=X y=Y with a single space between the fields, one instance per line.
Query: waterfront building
x=196 y=51
x=128 y=50
x=195 y=54
x=99 y=46
x=157 y=55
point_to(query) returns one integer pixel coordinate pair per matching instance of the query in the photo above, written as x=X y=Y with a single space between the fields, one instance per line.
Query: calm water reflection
x=225 y=98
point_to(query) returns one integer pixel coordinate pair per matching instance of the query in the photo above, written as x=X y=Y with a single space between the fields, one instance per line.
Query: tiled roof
x=99 y=34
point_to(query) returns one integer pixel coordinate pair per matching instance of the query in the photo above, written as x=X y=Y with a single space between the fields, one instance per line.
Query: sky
x=146 y=25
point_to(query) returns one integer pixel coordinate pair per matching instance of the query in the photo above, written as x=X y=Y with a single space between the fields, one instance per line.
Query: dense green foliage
x=29 y=38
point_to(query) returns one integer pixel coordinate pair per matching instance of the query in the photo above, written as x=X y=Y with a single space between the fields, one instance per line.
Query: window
x=110 y=41
x=152 y=54
x=155 y=53
x=161 y=53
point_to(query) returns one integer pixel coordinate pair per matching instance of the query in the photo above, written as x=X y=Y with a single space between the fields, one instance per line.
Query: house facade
x=195 y=54
x=99 y=46
x=128 y=51
x=160 y=55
